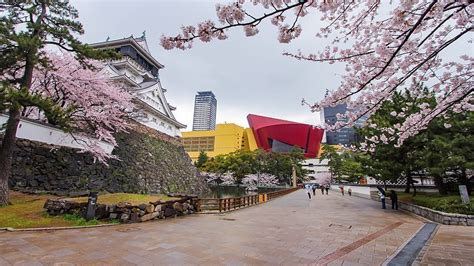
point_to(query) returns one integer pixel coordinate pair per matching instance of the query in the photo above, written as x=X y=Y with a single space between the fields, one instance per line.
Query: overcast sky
x=247 y=74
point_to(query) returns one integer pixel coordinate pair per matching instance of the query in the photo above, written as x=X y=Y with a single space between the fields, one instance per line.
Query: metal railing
x=279 y=193
x=230 y=204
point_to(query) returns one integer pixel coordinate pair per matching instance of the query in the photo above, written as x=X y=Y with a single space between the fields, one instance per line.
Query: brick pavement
x=289 y=230
x=452 y=245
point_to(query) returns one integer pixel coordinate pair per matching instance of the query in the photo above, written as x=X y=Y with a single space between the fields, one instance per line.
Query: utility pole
x=294 y=175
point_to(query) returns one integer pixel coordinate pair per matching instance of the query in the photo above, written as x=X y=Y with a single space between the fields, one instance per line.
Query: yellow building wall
x=249 y=140
x=226 y=138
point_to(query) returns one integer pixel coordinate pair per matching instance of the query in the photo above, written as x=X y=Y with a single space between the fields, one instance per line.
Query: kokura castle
x=139 y=71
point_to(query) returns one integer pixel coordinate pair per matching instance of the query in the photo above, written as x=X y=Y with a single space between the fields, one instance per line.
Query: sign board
x=464 y=195
x=91 y=203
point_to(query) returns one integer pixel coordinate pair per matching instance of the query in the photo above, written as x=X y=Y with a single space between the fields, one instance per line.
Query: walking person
x=308 y=190
x=394 y=199
x=382 y=195
x=349 y=191
x=326 y=187
x=322 y=189
x=382 y=198
x=341 y=187
x=313 y=187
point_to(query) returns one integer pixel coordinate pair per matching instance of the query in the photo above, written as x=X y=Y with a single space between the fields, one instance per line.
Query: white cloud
x=247 y=75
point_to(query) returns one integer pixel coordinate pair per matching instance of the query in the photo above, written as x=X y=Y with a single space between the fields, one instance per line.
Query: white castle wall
x=47 y=134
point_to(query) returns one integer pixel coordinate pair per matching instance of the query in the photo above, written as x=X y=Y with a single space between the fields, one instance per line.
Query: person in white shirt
x=308 y=190
x=382 y=198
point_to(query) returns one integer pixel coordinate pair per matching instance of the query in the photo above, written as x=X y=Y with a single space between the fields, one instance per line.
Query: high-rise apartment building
x=343 y=136
x=205 y=108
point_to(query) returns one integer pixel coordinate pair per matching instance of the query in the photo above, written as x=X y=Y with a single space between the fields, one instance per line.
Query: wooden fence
x=230 y=204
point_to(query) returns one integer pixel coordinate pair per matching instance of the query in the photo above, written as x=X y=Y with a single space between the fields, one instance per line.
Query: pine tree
x=27 y=28
x=202 y=159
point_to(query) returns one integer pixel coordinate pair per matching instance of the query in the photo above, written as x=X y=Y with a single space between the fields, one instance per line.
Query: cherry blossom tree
x=222 y=179
x=94 y=106
x=80 y=100
x=26 y=29
x=382 y=51
x=323 y=178
x=264 y=179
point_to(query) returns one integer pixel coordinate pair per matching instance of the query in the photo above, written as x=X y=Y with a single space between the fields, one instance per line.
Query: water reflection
x=236 y=191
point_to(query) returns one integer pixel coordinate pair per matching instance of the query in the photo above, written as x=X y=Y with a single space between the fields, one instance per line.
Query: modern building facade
x=205 y=109
x=317 y=170
x=138 y=70
x=344 y=136
x=266 y=133
x=226 y=138
x=272 y=134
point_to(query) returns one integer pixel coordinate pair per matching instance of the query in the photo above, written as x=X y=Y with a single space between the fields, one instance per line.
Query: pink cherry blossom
x=223 y=179
x=382 y=53
x=262 y=179
x=250 y=30
x=98 y=106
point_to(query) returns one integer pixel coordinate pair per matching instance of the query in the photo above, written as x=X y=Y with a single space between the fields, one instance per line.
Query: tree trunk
x=6 y=153
x=414 y=188
x=440 y=185
x=465 y=181
x=409 y=182
x=4 y=199
x=8 y=144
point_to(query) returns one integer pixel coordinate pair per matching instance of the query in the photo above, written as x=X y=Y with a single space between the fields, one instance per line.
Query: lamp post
x=293 y=170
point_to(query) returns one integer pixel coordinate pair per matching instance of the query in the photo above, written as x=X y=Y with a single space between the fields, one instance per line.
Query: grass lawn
x=131 y=198
x=435 y=201
x=27 y=210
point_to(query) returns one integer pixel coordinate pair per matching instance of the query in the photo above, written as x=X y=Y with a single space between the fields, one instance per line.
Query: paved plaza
x=333 y=230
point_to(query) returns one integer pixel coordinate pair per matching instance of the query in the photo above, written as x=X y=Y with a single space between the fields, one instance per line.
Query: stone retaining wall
x=437 y=216
x=149 y=162
x=430 y=214
x=124 y=211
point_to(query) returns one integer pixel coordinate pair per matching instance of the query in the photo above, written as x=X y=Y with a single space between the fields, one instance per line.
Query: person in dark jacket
x=394 y=199
x=313 y=187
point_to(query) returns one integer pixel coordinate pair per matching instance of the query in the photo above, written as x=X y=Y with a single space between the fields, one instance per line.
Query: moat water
x=236 y=191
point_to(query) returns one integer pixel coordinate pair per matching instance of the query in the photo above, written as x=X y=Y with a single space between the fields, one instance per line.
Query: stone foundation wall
x=430 y=214
x=124 y=211
x=437 y=216
x=150 y=162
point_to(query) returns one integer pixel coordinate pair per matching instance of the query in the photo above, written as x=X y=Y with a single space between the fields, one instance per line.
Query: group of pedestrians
x=312 y=188
x=349 y=191
x=393 y=198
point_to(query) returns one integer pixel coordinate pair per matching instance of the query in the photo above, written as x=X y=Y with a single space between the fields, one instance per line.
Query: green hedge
x=449 y=204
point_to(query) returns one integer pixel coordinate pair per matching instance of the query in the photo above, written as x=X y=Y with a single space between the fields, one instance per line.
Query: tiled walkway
x=452 y=245
x=289 y=230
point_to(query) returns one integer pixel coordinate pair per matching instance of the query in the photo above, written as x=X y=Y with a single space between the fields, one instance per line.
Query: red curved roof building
x=278 y=135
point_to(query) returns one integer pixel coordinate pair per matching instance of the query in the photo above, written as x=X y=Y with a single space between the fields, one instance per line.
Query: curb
x=39 y=229
x=401 y=247
x=414 y=248
x=423 y=251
